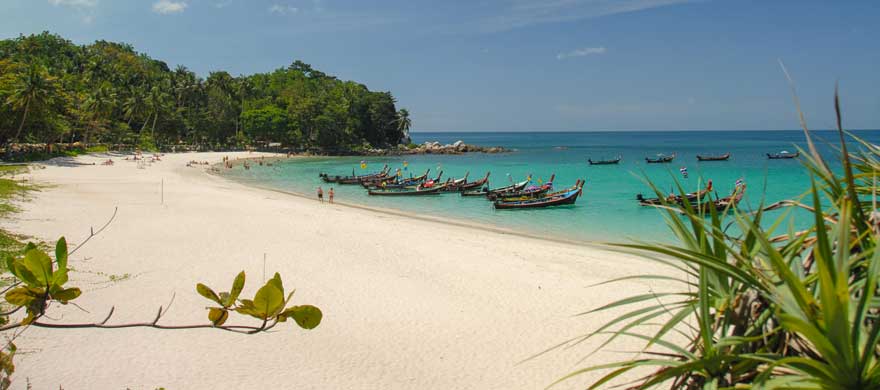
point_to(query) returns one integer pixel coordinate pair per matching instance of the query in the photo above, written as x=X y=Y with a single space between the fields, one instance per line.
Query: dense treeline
x=54 y=91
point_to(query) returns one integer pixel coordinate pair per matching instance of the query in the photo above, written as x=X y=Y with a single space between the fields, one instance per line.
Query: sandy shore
x=408 y=303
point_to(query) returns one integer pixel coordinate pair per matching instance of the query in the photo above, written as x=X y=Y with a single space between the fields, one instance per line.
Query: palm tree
x=99 y=104
x=32 y=89
x=403 y=123
x=133 y=103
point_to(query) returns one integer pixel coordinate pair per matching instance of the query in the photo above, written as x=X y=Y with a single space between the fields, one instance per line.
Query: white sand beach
x=407 y=303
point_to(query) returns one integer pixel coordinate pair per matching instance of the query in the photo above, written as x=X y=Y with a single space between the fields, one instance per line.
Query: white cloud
x=169 y=7
x=584 y=51
x=523 y=13
x=75 y=3
x=283 y=9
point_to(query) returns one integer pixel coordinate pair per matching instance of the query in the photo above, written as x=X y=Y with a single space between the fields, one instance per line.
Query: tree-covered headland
x=56 y=92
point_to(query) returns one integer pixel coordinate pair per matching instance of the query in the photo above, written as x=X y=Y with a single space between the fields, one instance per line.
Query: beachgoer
x=321 y=194
x=331 y=193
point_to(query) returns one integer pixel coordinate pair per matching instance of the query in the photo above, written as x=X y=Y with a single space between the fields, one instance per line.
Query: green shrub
x=759 y=308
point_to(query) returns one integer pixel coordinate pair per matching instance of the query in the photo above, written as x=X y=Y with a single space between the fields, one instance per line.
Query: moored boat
x=354 y=179
x=486 y=191
x=474 y=184
x=561 y=198
x=525 y=193
x=674 y=199
x=720 y=157
x=783 y=155
x=429 y=188
x=660 y=159
x=396 y=182
x=605 y=162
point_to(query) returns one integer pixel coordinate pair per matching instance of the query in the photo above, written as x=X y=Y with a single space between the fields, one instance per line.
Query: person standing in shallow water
x=321 y=194
x=331 y=194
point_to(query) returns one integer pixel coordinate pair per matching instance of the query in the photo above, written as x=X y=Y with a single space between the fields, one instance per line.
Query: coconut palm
x=403 y=123
x=99 y=105
x=32 y=89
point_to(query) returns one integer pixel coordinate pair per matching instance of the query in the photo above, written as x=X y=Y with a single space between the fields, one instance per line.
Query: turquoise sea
x=607 y=211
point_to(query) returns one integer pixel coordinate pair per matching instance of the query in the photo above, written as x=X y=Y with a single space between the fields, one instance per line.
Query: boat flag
x=405 y=165
x=684 y=172
x=363 y=164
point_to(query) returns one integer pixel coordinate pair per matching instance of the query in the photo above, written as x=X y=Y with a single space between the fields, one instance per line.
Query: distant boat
x=604 y=162
x=782 y=155
x=709 y=157
x=660 y=159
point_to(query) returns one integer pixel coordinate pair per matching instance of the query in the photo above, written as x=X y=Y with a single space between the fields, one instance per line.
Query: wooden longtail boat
x=722 y=157
x=556 y=199
x=398 y=181
x=421 y=190
x=660 y=159
x=724 y=204
x=486 y=191
x=783 y=155
x=673 y=199
x=474 y=184
x=732 y=200
x=605 y=162
x=525 y=193
x=354 y=179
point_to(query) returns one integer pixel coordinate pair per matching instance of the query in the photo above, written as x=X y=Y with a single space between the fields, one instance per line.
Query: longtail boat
x=783 y=155
x=660 y=159
x=354 y=179
x=424 y=189
x=395 y=181
x=474 y=184
x=525 y=193
x=556 y=199
x=486 y=191
x=605 y=162
x=732 y=200
x=721 y=157
x=724 y=204
x=673 y=199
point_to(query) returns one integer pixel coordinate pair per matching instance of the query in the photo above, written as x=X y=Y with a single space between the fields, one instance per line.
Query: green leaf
x=237 y=286
x=66 y=295
x=269 y=300
x=206 y=292
x=40 y=265
x=218 y=316
x=20 y=296
x=59 y=278
x=61 y=253
x=276 y=280
x=306 y=316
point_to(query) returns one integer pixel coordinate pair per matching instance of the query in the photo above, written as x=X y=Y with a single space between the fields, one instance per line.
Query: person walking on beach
x=321 y=194
x=331 y=194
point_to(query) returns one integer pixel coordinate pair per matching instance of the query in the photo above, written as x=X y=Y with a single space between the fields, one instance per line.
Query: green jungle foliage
x=54 y=91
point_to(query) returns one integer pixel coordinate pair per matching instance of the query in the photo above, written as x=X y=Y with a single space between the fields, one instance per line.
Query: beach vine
x=40 y=281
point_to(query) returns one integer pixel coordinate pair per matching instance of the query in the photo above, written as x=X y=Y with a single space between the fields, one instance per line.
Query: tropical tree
x=33 y=89
x=403 y=123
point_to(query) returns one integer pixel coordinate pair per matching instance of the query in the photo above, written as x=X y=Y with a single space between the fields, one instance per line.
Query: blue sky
x=522 y=65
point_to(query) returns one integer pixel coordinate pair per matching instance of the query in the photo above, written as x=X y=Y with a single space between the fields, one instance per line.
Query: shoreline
x=408 y=302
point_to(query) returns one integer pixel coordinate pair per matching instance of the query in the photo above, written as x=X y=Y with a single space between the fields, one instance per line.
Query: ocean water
x=607 y=211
